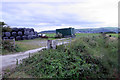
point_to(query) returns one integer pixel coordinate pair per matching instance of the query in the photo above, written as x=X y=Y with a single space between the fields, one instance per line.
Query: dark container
x=5 y=38
x=26 y=33
x=31 y=33
x=14 y=34
x=21 y=29
x=30 y=37
x=20 y=33
x=14 y=29
x=32 y=29
x=18 y=38
x=7 y=34
x=24 y=37
x=12 y=37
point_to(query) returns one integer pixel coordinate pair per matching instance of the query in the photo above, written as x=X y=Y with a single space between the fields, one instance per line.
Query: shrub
x=59 y=35
x=7 y=45
x=6 y=29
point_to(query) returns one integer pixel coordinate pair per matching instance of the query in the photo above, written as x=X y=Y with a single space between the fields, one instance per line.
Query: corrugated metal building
x=66 y=32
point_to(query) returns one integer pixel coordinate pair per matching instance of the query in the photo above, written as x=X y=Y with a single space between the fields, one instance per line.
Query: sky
x=53 y=14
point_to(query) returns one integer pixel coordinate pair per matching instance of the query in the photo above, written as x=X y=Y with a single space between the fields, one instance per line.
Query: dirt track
x=9 y=61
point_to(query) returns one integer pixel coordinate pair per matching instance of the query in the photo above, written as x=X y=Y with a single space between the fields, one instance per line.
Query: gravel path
x=9 y=61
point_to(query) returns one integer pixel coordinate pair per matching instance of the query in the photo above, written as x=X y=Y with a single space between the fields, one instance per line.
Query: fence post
x=17 y=62
x=63 y=41
x=54 y=44
x=29 y=55
x=14 y=43
x=70 y=40
x=49 y=44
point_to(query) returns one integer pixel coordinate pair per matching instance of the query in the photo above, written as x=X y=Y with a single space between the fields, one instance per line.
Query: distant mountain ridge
x=89 y=30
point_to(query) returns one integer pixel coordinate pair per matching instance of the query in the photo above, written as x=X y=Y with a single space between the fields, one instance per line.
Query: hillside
x=89 y=30
x=97 y=30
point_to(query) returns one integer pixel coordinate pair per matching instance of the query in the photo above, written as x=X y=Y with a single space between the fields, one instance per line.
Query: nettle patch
x=66 y=65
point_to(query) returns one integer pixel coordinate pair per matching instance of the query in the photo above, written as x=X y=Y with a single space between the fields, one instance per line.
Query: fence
x=53 y=43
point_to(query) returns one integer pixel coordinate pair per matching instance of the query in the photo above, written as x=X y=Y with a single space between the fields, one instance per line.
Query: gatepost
x=49 y=44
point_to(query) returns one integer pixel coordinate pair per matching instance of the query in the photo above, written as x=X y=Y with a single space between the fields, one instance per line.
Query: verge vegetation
x=86 y=57
x=23 y=45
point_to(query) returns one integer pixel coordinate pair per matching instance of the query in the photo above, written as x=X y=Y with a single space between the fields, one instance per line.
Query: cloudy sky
x=52 y=14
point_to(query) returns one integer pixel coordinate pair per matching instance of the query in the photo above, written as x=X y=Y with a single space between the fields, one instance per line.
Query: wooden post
x=54 y=44
x=16 y=61
x=14 y=43
x=29 y=55
x=49 y=44
x=63 y=41
x=70 y=40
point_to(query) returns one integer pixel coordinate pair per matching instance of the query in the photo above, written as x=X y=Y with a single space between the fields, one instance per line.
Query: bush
x=7 y=45
x=6 y=29
x=59 y=35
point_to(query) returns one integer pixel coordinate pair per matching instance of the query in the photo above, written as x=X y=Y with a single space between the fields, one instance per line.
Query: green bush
x=7 y=45
x=6 y=29
x=59 y=35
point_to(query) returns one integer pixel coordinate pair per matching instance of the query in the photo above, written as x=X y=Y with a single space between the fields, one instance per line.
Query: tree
x=4 y=27
x=2 y=23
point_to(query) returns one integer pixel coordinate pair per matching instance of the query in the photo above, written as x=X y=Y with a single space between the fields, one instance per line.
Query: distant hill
x=89 y=30
x=97 y=30
x=49 y=31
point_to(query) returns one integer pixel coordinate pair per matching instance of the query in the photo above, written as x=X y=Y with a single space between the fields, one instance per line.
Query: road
x=9 y=61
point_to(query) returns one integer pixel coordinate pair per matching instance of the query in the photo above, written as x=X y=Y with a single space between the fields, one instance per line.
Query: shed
x=66 y=32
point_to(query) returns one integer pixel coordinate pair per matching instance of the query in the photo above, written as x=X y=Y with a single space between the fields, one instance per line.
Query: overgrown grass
x=19 y=75
x=25 y=45
x=86 y=34
x=86 y=57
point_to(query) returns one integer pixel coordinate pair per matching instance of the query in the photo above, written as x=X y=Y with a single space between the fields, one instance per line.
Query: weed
x=86 y=57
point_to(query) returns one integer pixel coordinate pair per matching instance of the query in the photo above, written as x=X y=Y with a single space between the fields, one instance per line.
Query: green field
x=86 y=34
x=77 y=34
x=114 y=35
x=50 y=34
x=87 y=56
